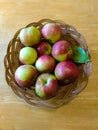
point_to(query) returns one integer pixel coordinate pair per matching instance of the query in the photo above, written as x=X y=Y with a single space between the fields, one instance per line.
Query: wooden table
x=82 y=112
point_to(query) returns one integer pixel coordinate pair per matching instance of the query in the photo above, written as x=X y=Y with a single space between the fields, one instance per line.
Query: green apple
x=28 y=55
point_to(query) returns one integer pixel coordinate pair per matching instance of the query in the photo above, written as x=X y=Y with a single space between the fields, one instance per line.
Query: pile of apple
x=46 y=60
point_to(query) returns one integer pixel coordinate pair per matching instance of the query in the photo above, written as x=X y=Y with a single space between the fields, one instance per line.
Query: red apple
x=44 y=48
x=66 y=72
x=45 y=63
x=25 y=75
x=51 y=31
x=62 y=51
x=46 y=85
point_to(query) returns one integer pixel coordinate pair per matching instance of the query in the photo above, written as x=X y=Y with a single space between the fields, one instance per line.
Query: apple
x=44 y=48
x=62 y=50
x=25 y=75
x=51 y=32
x=30 y=36
x=45 y=63
x=66 y=72
x=46 y=85
x=27 y=55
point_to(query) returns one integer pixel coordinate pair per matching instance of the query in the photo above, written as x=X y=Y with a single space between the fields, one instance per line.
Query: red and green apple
x=44 y=48
x=30 y=36
x=66 y=72
x=51 y=32
x=25 y=75
x=46 y=85
x=45 y=63
x=62 y=50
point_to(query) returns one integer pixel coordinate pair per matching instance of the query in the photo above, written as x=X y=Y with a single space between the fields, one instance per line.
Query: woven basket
x=65 y=93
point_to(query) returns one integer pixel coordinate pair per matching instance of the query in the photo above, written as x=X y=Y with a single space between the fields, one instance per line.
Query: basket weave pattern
x=65 y=93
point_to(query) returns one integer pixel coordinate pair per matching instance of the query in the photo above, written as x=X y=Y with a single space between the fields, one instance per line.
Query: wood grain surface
x=82 y=112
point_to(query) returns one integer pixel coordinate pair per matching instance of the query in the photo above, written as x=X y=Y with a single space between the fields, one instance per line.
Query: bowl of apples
x=47 y=63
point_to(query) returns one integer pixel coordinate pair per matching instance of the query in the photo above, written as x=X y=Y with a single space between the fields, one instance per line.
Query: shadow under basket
x=66 y=93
